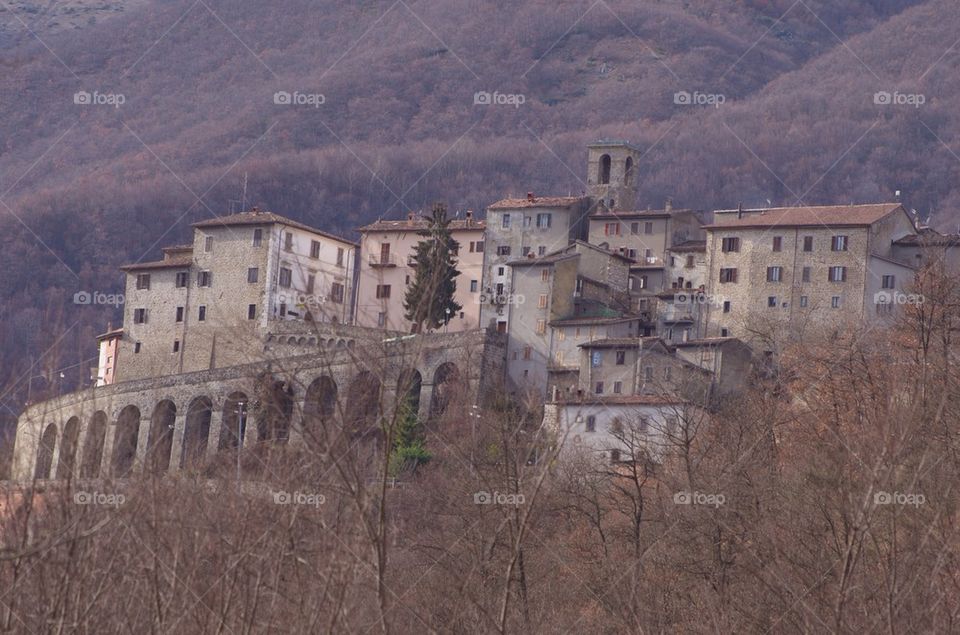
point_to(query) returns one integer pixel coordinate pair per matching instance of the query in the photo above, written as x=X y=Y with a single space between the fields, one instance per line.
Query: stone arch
x=363 y=402
x=331 y=343
x=235 y=409
x=276 y=411
x=125 y=441
x=301 y=341
x=320 y=402
x=341 y=344
x=196 y=432
x=446 y=382
x=628 y=171
x=45 y=451
x=163 y=420
x=604 y=169
x=291 y=340
x=93 y=446
x=409 y=385
x=68 y=448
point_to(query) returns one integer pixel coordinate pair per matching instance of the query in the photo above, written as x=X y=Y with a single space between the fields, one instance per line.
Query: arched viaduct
x=176 y=422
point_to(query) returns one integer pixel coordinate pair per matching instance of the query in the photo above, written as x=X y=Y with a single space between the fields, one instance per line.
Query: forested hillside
x=86 y=187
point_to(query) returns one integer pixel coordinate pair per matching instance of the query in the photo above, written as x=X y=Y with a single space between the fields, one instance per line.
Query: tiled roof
x=602 y=213
x=624 y=400
x=419 y=224
x=537 y=201
x=689 y=246
x=117 y=332
x=258 y=217
x=170 y=263
x=586 y=321
x=707 y=341
x=549 y=259
x=929 y=238
x=177 y=248
x=822 y=216
x=620 y=342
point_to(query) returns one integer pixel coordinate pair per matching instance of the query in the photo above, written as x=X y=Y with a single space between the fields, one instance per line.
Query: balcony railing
x=383 y=260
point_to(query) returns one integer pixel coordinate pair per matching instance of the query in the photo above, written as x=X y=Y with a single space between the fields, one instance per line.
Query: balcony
x=675 y=314
x=383 y=260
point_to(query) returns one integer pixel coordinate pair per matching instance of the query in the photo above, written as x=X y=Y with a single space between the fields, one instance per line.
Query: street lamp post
x=446 y=323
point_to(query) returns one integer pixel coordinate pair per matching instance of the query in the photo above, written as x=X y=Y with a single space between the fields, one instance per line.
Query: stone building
x=387 y=248
x=612 y=173
x=802 y=269
x=210 y=304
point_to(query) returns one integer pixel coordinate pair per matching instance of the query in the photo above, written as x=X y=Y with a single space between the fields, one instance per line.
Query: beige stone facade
x=387 y=249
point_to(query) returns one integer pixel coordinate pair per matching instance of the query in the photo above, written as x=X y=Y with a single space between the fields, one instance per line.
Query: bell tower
x=612 y=173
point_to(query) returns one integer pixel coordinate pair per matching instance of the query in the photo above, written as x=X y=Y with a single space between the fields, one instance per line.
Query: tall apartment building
x=209 y=303
x=387 y=249
x=789 y=269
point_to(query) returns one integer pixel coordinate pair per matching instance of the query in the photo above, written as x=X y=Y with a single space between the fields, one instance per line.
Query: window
x=837 y=274
x=526 y=221
x=183 y=277
x=505 y=221
x=474 y=286
x=139 y=316
x=541 y=250
x=634 y=228
x=778 y=243
x=808 y=243
x=668 y=373
x=314 y=248
x=604 y=169
x=558 y=356
x=772 y=301
x=690 y=262
x=835 y=302
x=503 y=250
x=726 y=306
x=288 y=241
x=253 y=274
x=614 y=456
x=525 y=251
x=202 y=313
x=774 y=274
x=176 y=346
x=179 y=314
x=731 y=243
x=648 y=373
x=728 y=274
x=621 y=358
x=598 y=389
x=204 y=279
x=381 y=319
x=479 y=246
x=617 y=387
x=541 y=327
x=143 y=281
x=311 y=282
x=336 y=292
x=673 y=261
x=648 y=253
x=383 y=291
x=283 y=309
x=542 y=301
x=805 y=274
x=544 y=275
x=803 y=301
x=648 y=227
x=527 y=352
x=208 y=244
x=257 y=237
x=340 y=254
x=251 y=311
x=286 y=277
x=887 y=282
x=611 y=229
x=501 y=271
x=136 y=347
x=591 y=424
x=544 y=220
x=724 y=332
x=838 y=243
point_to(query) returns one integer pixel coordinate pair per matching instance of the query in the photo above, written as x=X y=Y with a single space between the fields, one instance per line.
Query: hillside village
x=611 y=312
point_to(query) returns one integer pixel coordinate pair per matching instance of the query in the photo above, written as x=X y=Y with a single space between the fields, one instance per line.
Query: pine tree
x=430 y=297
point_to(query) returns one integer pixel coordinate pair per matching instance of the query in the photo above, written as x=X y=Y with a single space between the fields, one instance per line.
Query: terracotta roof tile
x=822 y=216
x=420 y=223
x=170 y=263
x=257 y=217
x=537 y=201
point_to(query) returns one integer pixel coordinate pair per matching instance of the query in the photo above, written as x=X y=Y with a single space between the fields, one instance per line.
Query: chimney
x=668 y=204
x=411 y=216
x=530 y=197
x=255 y=210
x=469 y=214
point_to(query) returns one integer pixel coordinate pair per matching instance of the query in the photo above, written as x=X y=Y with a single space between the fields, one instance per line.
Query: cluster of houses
x=614 y=314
